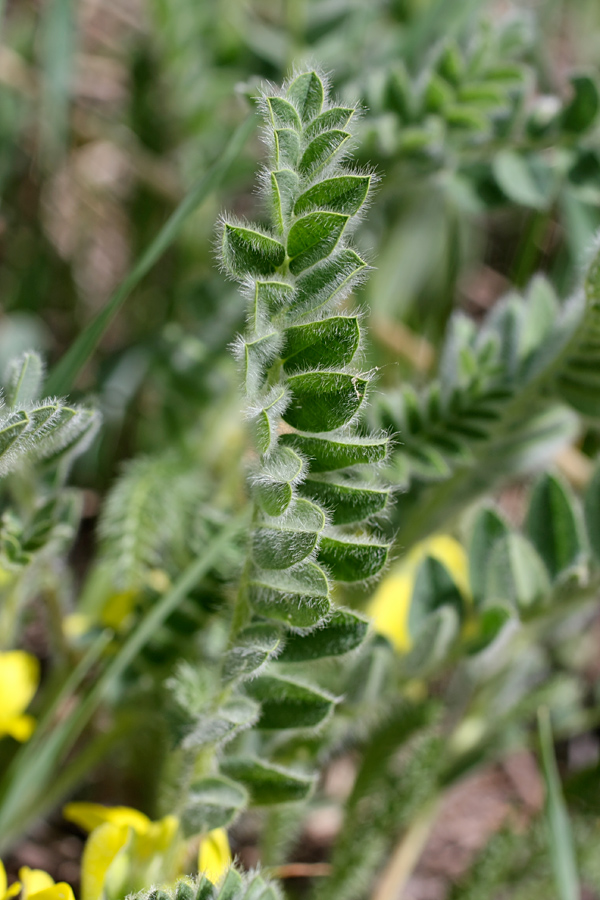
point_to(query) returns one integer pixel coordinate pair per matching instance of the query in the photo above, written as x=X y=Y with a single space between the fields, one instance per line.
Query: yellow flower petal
x=19 y=679
x=59 y=891
x=34 y=881
x=158 y=838
x=118 y=607
x=389 y=607
x=90 y=815
x=21 y=727
x=101 y=849
x=214 y=854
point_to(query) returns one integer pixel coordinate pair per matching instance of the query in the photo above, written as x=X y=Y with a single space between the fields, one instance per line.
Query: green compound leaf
x=324 y=401
x=489 y=527
x=266 y=783
x=321 y=151
x=24 y=380
x=254 y=646
x=344 y=194
x=283 y=114
x=212 y=803
x=287 y=704
x=326 y=343
x=552 y=527
x=344 y=500
x=249 y=252
x=343 y=632
x=335 y=118
x=273 y=484
x=306 y=92
x=287 y=540
x=434 y=589
x=312 y=238
x=317 y=288
x=298 y=596
x=284 y=183
x=592 y=513
x=349 y=558
x=287 y=148
x=516 y=575
x=339 y=452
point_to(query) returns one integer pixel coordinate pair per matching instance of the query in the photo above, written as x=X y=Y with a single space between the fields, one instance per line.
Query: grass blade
x=63 y=375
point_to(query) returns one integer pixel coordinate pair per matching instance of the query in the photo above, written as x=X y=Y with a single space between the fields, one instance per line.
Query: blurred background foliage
x=482 y=121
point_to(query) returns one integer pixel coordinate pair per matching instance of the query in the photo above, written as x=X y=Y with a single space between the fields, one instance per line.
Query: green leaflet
x=266 y=783
x=328 y=454
x=11 y=429
x=324 y=401
x=269 y=297
x=287 y=704
x=306 y=92
x=23 y=380
x=283 y=113
x=344 y=194
x=343 y=632
x=346 y=501
x=212 y=803
x=592 y=513
x=256 y=356
x=284 y=184
x=298 y=596
x=265 y=420
x=489 y=527
x=351 y=559
x=273 y=486
x=516 y=575
x=581 y=112
x=231 y=886
x=327 y=342
x=246 y=251
x=287 y=148
x=254 y=646
x=287 y=540
x=321 y=151
x=312 y=238
x=232 y=717
x=434 y=589
x=332 y=119
x=322 y=284
x=552 y=526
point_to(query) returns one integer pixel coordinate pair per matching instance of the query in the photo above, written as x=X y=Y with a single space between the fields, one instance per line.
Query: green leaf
x=285 y=183
x=212 y=803
x=490 y=623
x=265 y=420
x=434 y=589
x=273 y=483
x=344 y=194
x=283 y=114
x=284 y=541
x=349 y=558
x=287 y=148
x=325 y=343
x=321 y=151
x=231 y=718
x=231 y=887
x=24 y=380
x=489 y=527
x=270 y=297
x=11 y=429
x=312 y=238
x=287 y=704
x=339 y=452
x=581 y=112
x=253 y=648
x=267 y=783
x=519 y=180
x=249 y=252
x=552 y=526
x=324 y=401
x=298 y=596
x=307 y=94
x=255 y=357
x=516 y=575
x=432 y=642
x=346 y=501
x=335 y=118
x=592 y=513
x=318 y=287
x=340 y=634
x=560 y=837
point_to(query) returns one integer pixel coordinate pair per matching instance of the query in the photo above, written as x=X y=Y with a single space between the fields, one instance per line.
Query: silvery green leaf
x=23 y=380
x=267 y=784
x=324 y=401
x=298 y=596
x=306 y=92
x=338 y=451
x=287 y=148
x=249 y=252
x=318 y=287
x=212 y=803
x=265 y=418
x=343 y=194
x=516 y=575
x=286 y=703
x=340 y=634
x=489 y=527
x=345 y=500
x=324 y=343
x=552 y=525
x=284 y=183
x=253 y=648
x=312 y=238
x=332 y=119
x=350 y=558
x=281 y=542
x=283 y=113
x=273 y=483
x=255 y=356
x=321 y=151
x=434 y=589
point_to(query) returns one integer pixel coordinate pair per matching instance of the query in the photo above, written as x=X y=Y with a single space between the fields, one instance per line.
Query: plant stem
x=407 y=854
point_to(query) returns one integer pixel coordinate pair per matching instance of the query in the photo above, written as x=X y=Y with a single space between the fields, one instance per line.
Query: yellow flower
x=390 y=605
x=125 y=850
x=34 y=884
x=214 y=854
x=19 y=679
